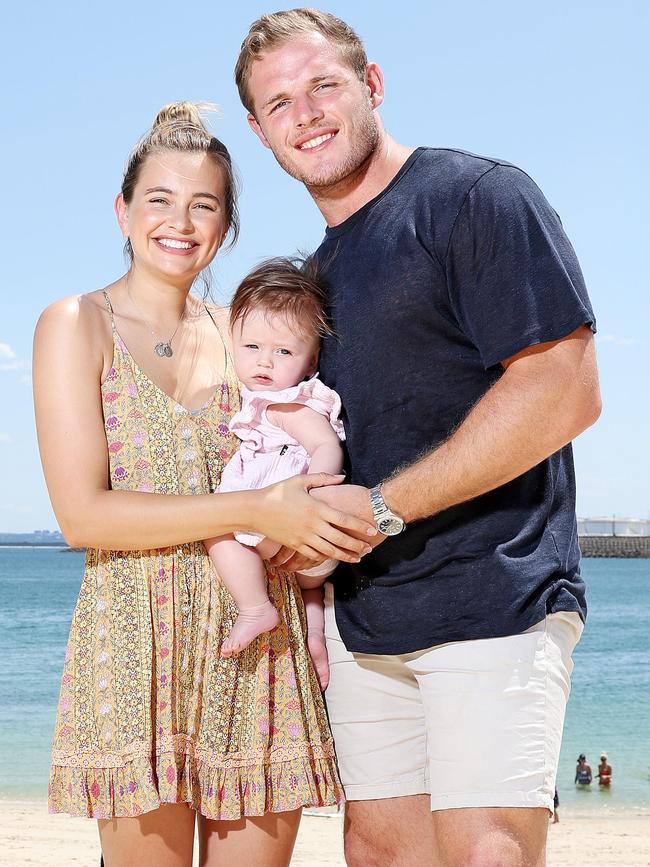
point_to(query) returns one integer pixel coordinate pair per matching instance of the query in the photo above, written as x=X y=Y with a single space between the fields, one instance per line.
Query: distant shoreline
x=52 y=545
x=609 y=547
x=623 y=547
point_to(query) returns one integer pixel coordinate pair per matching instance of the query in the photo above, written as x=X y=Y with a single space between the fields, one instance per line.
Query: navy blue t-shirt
x=456 y=266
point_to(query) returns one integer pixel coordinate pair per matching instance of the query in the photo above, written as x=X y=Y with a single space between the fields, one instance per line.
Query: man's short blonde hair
x=276 y=28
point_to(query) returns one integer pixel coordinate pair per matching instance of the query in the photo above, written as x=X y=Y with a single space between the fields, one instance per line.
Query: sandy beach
x=29 y=836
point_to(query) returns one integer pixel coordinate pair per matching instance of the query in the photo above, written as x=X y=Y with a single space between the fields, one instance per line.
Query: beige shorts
x=471 y=723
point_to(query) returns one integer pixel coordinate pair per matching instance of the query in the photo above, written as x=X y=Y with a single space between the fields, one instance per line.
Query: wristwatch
x=387 y=522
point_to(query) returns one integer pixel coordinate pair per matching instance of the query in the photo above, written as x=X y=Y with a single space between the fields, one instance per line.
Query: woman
x=133 y=390
x=583 y=772
x=604 y=774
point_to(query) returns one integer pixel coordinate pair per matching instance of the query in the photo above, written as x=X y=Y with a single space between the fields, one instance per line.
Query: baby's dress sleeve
x=323 y=400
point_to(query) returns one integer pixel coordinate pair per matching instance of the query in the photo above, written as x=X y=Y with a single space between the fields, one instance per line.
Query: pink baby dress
x=267 y=453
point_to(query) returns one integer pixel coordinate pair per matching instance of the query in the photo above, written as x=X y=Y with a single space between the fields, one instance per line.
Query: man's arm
x=547 y=395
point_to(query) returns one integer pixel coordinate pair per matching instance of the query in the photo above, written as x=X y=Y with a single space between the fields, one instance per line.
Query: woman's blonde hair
x=179 y=127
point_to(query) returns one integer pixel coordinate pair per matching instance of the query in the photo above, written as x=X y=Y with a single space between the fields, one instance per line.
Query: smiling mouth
x=173 y=244
x=316 y=141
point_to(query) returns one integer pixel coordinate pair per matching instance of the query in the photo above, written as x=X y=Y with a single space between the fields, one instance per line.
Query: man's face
x=313 y=111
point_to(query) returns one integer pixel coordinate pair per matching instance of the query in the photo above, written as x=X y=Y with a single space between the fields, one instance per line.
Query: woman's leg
x=242 y=571
x=265 y=841
x=161 y=838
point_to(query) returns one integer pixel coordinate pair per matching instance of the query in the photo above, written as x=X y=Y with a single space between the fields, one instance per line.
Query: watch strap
x=379 y=508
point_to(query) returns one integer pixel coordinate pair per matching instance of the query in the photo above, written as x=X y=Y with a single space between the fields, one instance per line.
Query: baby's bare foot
x=250 y=623
x=318 y=652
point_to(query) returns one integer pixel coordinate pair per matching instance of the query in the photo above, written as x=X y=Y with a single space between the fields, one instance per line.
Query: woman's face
x=176 y=219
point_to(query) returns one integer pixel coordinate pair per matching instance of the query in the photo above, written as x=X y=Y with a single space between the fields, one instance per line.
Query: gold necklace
x=163 y=348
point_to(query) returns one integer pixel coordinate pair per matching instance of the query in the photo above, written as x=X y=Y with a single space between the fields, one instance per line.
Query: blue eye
x=252 y=346
x=284 y=351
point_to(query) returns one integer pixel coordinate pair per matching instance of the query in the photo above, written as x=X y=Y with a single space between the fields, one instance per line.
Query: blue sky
x=558 y=88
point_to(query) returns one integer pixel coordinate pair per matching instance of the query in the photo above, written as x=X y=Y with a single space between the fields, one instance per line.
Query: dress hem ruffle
x=217 y=792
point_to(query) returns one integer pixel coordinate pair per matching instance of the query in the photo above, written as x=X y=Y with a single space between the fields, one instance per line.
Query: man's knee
x=390 y=832
x=364 y=849
x=357 y=854
x=497 y=848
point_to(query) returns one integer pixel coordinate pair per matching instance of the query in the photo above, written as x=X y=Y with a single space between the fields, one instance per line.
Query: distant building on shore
x=36 y=537
x=614 y=537
x=613 y=526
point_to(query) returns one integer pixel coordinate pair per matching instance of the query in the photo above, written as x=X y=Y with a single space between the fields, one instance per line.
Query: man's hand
x=351 y=499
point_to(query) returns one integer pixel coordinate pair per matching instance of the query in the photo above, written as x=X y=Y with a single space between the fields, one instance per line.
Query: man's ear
x=122 y=214
x=375 y=85
x=257 y=129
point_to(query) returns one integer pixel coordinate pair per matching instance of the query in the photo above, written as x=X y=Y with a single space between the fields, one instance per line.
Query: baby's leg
x=312 y=595
x=242 y=571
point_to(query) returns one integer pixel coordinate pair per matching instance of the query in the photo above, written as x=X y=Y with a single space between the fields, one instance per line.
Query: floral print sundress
x=149 y=713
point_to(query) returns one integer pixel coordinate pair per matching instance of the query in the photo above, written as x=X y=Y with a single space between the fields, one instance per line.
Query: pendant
x=163 y=350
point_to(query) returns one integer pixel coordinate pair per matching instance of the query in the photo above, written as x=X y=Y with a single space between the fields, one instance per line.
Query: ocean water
x=609 y=707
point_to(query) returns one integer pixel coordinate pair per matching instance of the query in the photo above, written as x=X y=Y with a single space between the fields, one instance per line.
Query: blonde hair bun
x=183 y=114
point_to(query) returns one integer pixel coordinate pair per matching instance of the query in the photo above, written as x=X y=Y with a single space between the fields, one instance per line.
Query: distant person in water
x=604 y=774
x=583 y=771
x=556 y=804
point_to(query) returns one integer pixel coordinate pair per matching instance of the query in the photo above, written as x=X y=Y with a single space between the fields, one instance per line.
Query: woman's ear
x=122 y=214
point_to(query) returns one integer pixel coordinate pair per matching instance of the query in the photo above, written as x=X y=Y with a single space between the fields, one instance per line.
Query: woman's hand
x=351 y=500
x=313 y=529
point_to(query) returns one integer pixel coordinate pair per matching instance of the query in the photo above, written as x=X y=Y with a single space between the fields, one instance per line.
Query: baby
x=288 y=425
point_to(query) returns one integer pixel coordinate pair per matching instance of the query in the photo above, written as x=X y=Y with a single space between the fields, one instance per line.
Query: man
x=465 y=361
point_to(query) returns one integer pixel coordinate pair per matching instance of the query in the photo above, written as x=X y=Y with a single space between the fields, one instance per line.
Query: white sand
x=30 y=836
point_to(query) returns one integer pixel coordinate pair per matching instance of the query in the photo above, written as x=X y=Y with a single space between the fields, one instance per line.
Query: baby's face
x=271 y=353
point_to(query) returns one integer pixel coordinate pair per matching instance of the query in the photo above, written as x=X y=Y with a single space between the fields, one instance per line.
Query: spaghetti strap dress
x=149 y=713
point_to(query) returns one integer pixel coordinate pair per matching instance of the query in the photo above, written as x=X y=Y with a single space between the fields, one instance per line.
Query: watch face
x=390 y=526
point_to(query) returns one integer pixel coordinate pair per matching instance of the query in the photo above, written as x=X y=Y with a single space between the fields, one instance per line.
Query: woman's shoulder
x=84 y=310
x=78 y=324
